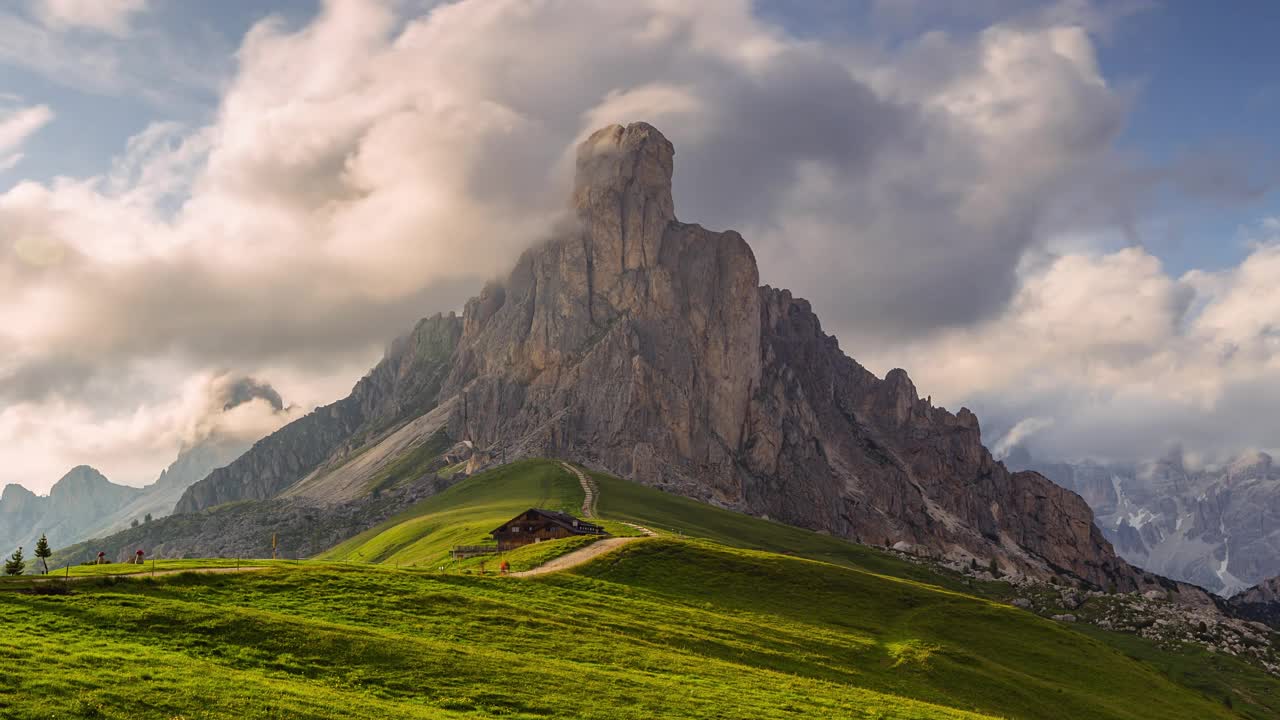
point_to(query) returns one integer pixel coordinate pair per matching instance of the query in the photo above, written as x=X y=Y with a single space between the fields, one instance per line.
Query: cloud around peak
x=366 y=168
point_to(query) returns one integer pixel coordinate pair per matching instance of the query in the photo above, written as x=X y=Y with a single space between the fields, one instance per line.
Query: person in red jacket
x=138 y=559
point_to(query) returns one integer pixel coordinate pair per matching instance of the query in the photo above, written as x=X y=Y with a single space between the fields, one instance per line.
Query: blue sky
x=94 y=123
x=1060 y=213
x=1206 y=83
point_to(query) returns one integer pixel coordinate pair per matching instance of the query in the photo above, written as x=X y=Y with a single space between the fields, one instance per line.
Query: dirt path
x=577 y=557
x=589 y=490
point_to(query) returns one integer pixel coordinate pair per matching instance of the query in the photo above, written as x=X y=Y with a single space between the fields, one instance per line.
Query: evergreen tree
x=44 y=552
x=147 y=519
x=14 y=565
x=134 y=523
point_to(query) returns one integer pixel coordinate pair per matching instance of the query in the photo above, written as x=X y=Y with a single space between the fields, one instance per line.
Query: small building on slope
x=535 y=525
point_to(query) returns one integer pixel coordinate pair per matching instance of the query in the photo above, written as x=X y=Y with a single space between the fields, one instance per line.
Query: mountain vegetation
x=720 y=615
x=796 y=536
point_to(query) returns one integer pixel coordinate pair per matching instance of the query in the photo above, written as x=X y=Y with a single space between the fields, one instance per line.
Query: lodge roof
x=564 y=520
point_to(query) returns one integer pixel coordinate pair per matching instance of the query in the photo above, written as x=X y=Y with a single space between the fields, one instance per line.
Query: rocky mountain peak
x=1267 y=591
x=632 y=163
x=78 y=479
x=645 y=347
x=15 y=493
x=622 y=200
x=1251 y=464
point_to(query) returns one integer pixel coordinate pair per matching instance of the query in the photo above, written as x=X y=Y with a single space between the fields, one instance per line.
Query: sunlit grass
x=724 y=616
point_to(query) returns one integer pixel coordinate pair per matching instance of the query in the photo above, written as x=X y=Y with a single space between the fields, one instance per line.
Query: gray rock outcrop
x=79 y=500
x=403 y=385
x=645 y=346
x=1217 y=527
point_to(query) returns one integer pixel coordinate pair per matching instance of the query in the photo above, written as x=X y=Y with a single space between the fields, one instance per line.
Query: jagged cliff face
x=629 y=342
x=84 y=504
x=645 y=346
x=79 y=500
x=1267 y=591
x=1215 y=527
x=405 y=384
x=1260 y=602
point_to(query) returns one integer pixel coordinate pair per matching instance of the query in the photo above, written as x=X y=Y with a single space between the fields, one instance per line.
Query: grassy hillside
x=717 y=618
x=368 y=642
x=464 y=514
x=937 y=603
x=625 y=501
x=661 y=628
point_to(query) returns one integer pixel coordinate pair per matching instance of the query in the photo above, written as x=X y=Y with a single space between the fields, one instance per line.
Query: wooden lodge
x=535 y=525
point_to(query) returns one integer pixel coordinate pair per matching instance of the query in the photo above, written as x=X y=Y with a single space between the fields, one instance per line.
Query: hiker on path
x=505 y=567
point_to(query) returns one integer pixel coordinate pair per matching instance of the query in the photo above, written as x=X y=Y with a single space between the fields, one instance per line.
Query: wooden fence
x=462 y=552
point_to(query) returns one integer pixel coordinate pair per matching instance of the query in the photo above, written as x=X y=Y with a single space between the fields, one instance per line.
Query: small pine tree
x=973 y=564
x=44 y=552
x=993 y=568
x=147 y=518
x=14 y=565
x=1202 y=628
x=134 y=523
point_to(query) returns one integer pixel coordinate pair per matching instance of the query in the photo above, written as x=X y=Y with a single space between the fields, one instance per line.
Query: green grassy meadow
x=422 y=535
x=721 y=616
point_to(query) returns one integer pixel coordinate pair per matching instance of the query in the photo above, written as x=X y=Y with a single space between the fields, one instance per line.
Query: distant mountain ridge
x=1215 y=527
x=79 y=500
x=85 y=504
x=645 y=347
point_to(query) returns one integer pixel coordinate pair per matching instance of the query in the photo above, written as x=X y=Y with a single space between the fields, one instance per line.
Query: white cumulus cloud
x=368 y=168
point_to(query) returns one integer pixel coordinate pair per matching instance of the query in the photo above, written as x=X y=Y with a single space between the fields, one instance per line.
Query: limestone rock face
x=645 y=346
x=1217 y=526
x=631 y=339
x=404 y=384
x=1260 y=603
x=1267 y=591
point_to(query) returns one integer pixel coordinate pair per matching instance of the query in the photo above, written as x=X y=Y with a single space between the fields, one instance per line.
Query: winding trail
x=577 y=557
x=590 y=492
